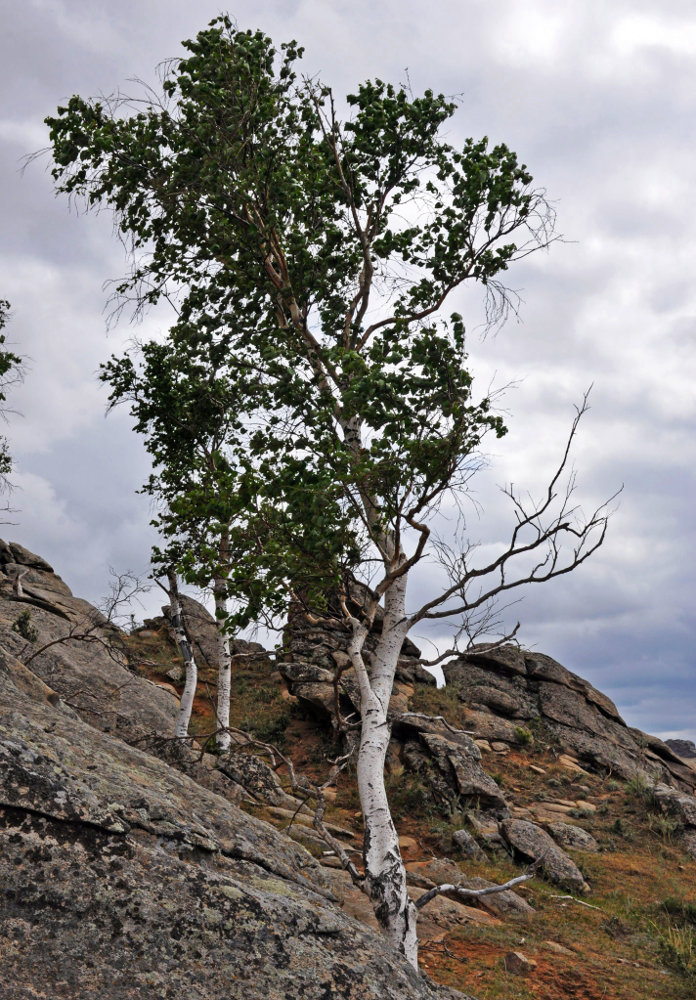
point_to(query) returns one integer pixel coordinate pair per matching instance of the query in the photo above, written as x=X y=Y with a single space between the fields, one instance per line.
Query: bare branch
x=580 y=902
x=485 y=647
x=552 y=531
x=460 y=891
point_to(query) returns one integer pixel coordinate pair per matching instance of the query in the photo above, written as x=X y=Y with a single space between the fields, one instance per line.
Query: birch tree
x=326 y=256
x=191 y=415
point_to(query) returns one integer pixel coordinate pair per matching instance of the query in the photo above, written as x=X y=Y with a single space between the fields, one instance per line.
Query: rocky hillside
x=135 y=867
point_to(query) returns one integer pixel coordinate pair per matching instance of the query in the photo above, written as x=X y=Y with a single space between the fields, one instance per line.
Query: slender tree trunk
x=224 y=667
x=385 y=873
x=186 y=704
x=222 y=711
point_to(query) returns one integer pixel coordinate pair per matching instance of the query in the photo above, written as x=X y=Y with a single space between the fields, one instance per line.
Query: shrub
x=523 y=736
x=22 y=626
x=681 y=909
x=621 y=830
x=641 y=787
x=663 y=826
x=677 y=944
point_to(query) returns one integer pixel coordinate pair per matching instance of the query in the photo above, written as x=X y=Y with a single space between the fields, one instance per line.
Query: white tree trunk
x=189 y=693
x=385 y=873
x=224 y=668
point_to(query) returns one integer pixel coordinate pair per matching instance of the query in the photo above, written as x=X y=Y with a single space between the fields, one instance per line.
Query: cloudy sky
x=599 y=100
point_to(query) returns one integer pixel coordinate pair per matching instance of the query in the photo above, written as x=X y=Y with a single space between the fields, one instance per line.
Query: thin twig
x=580 y=902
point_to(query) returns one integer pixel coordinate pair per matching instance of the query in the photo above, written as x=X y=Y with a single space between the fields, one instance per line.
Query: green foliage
x=22 y=626
x=642 y=788
x=683 y=910
x=663 y=826
x=677 y=944
x=312 y=396
x=523 y=736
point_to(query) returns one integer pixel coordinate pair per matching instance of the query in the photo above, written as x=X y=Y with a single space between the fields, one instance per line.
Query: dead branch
x=405 y=716
x=580 y=902
x=100 y=626
x=485 y=647
x=552 y=532
x=461 y=891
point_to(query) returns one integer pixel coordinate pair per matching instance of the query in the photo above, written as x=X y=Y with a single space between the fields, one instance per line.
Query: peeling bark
x=385 y=873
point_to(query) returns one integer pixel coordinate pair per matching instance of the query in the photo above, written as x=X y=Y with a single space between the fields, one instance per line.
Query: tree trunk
x=224 y=668
x=189 y=693
x=385 y=874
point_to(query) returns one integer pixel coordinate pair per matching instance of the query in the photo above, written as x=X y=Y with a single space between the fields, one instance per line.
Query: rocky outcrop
x=90 y=674
x=686 y=749
x=508 y=692
x=449 y=761
x=568 y=835
x=121 y=877
x=531 y=842
x=316 y=666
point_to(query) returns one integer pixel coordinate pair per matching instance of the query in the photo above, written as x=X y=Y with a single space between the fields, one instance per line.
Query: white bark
x=186 y=704
x=385 y=873
x=17 y=586
x=224 y=668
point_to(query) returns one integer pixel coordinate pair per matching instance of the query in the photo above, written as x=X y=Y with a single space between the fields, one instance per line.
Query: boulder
x=462 y=759
x=465 y=843
x=508 y=688
x=689 y=842
x=92 y=674
x=121 y=877
x=533 y=843
x=671 y=802
x=686 y=749
x=518 y=964
x=574 y=837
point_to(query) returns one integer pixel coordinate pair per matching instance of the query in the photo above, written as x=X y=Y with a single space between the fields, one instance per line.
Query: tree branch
x=459 y=891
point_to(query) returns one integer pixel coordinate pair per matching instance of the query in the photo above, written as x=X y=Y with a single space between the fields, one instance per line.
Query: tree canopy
x=315 y=257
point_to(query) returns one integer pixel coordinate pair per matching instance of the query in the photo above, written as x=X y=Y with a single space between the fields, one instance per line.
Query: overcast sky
x=599 y=100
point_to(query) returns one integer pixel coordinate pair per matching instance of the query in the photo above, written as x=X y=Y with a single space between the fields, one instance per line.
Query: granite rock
x=121 y=877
